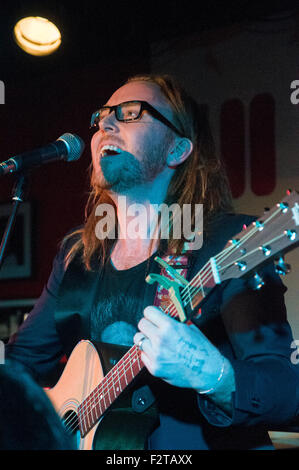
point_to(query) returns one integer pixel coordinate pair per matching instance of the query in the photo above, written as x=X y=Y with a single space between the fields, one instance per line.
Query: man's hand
x=178 y=353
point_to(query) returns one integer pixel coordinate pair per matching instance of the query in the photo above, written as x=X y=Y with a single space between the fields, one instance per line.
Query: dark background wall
x=45 y=97
x=38 y=112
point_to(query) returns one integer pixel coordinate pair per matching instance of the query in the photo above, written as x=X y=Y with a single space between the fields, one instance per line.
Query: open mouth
x=107 y=150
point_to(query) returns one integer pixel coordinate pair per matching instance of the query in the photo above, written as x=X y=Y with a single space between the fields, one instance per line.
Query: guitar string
x=256 y=249
x=251 y=232
x=89 y=403
x=224 y=268
x=100 y=389
x=100 y=392
x=230 y=249
x=208 y=273
x=222 y=255
x=103 y=388
x=204 y=274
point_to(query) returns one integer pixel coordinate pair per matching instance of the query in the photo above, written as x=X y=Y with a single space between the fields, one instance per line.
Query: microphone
x=67 y=147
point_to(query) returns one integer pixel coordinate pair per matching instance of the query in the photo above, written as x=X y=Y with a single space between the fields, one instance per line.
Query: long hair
x=200 y=179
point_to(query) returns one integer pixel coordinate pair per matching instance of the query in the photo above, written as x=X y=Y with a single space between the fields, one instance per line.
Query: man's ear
x=180 y=152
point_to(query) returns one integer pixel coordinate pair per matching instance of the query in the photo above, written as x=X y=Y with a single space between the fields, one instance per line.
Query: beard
x=120 y=173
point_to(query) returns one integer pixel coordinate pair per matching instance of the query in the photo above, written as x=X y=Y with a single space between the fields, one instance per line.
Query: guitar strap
x=181 y=264
x=143 y=398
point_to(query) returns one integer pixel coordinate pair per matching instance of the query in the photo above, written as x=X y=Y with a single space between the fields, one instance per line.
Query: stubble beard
x=130 y=172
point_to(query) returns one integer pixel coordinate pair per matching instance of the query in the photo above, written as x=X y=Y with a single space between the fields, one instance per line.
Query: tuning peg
x=281 y=267
x=284 y=207
x=259 y=225
x=241 y=265
x=266 y=249
x=258 y=282
x=291 y=234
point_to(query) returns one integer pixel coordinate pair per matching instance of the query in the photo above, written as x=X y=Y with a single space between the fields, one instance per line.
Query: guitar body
x=119 y=428
x=81 y=375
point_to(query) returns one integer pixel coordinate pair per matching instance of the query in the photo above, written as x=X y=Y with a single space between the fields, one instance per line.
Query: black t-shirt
x=120 y=303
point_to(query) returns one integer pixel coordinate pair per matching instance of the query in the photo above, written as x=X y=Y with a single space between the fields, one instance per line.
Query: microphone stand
x=18 y=194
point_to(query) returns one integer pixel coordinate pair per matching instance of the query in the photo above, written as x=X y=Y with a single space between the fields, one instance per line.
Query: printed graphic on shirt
x=115 y=319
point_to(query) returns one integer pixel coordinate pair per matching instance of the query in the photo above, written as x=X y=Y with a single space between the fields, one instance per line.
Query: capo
x=172 y=285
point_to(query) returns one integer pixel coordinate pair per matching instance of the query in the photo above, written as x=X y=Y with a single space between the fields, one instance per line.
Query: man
x=216 y=387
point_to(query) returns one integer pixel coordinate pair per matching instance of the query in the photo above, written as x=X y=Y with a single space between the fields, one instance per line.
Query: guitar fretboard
x=112 y=385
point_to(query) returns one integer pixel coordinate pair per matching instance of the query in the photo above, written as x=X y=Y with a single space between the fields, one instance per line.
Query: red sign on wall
x=261 y=144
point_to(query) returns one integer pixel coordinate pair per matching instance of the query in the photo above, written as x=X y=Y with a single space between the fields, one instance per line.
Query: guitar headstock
x=268 y=238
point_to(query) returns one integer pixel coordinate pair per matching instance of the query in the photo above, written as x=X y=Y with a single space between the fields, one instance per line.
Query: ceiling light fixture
x=37 y=36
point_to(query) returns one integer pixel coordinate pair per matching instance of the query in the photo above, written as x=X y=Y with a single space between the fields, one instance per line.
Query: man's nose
x=108 y=123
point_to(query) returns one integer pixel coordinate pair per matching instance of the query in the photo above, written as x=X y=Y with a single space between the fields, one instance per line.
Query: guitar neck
x=112 y=385
x=199 y=287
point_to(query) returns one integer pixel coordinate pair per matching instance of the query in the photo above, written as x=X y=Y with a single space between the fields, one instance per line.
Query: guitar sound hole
x=70 y=421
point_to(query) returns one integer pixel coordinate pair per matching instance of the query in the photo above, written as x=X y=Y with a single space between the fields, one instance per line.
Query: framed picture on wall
x=17 y=262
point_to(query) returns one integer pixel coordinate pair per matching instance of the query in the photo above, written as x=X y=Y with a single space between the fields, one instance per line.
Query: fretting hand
x=179 y=353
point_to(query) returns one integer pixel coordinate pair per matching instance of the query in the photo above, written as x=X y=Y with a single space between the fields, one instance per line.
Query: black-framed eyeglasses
x=130 y=111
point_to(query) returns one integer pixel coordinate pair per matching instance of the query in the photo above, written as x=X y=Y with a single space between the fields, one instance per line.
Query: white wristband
x=210 y=390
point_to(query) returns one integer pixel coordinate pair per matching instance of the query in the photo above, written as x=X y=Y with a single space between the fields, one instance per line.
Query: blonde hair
x=201 y=179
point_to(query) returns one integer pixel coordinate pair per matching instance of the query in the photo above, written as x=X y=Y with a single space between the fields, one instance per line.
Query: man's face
x=144 y=143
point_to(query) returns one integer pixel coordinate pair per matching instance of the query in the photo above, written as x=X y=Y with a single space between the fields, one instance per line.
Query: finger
x=138 y=337
x=146 y=361
x=149 y=364
x=146 y=346
x=140 y=340
x=157 y=317
x=147 y=328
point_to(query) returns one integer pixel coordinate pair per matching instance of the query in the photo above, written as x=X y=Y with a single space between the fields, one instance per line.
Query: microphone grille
x=74 y=144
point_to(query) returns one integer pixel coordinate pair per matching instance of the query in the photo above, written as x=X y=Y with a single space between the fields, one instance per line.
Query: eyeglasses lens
x=128 y=111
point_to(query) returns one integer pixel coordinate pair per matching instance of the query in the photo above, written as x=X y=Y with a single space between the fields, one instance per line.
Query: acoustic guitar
x=86 y=393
